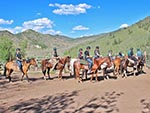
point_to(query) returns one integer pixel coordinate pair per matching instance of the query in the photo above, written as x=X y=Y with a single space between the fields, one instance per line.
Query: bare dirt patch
x=123 y=95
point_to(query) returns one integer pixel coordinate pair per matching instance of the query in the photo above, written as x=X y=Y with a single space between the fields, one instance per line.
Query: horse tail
x=5 y=69
x=74 y=71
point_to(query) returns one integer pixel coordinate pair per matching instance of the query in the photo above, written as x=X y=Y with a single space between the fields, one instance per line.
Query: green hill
x=36 y=44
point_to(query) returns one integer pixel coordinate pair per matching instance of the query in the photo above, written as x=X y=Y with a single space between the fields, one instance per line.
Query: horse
x=11 y=66
x=47 y=65
x=130 y=63
x=77 y=66
x=100 y=63
x=117 y=63
x=72 y=73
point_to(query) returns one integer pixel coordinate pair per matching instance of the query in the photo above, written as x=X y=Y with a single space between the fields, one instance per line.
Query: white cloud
x=124 y=26
x=86 y=35
x=52 y=32
x=2 y=21
x=38 y=24
x=64 y=9
x=14 y=30
x=43 y=25
x=79 y=28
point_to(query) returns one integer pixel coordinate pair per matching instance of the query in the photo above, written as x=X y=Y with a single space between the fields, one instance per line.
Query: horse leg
x=22 y=77
x=91 y=77
x=9 y=73
x=48 y=73
x=86 y=74
x=125 y=73
x=134 y=73
x=105 y=73
x=44 y=72
x=96 y=72
x=60 y=74
x=77 y=74
x=27 y=76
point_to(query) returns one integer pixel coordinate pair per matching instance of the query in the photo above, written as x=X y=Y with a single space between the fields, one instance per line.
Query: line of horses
x=77 y=68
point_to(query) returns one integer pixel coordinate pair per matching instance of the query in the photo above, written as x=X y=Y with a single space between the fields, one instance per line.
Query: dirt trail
x=131 y=95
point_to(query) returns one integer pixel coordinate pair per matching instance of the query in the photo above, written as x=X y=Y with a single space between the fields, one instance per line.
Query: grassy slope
x=136 y=36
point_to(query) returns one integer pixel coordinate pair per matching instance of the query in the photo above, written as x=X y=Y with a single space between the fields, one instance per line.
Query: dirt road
x=123 y=95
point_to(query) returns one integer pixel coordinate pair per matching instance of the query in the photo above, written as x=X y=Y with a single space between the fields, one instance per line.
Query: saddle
x=131 y=61
x=83 y=62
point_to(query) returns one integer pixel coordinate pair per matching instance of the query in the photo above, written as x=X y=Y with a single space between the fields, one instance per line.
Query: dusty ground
x=123 y=95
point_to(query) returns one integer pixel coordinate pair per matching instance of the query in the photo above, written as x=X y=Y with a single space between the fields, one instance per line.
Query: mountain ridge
x=41 y=45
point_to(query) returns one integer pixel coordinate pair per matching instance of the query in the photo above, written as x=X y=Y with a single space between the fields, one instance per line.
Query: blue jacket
x=139 y=54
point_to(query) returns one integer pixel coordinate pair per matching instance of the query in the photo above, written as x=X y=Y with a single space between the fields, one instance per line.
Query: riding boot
x=21 y=70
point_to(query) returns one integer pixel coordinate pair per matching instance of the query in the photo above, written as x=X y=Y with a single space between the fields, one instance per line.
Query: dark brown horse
x=47 y=65
x=98 y=65
x=11 y=66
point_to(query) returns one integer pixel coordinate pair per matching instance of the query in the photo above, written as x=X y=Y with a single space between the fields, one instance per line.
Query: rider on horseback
x=132 y=57
x=96 y=52
x=120 y=55
x=19 y=59
x=139 y=54
x=88 y=58
x=80 y=54
x=110 y=55
x=55 y=57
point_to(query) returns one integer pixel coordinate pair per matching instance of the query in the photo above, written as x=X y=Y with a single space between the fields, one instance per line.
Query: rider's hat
x=131 y=48
x=80 y=49
x=17 y=49
x=54 y=48
x=138 y=49
x=97 y=47
x=88 y=47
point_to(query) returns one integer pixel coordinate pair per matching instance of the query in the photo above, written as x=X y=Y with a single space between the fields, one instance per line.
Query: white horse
x=72 y=66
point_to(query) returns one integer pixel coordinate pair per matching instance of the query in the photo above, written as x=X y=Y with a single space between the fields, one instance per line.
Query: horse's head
x=108 y=61
x=32 y=61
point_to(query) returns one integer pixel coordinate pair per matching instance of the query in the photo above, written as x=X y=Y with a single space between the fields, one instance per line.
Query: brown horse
x=117 y=64
x=97 y=65
x=11 y=66
x=77 y=68
x=47 y=65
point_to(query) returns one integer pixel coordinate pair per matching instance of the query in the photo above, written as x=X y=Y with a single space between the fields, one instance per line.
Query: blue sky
x=73 y=18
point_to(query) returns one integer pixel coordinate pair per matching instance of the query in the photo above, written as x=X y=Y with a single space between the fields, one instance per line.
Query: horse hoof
x=45 y=78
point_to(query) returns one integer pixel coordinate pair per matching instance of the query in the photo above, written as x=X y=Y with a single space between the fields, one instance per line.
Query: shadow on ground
x=146 y=105
x=65 y=103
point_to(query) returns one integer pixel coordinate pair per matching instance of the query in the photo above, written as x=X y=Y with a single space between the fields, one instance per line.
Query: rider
x=19 y=58
x=132 y=57
x=80 y=54
x=88 y=58
x=120 y=55
x=110 y=55
x=139 y=53
x=55 y=57
x=96 y=52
